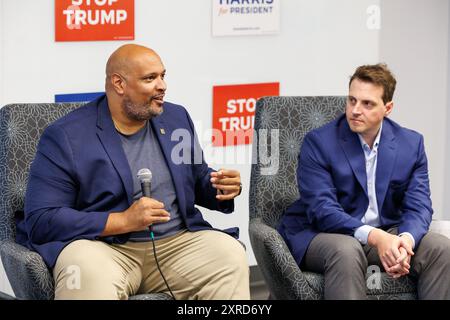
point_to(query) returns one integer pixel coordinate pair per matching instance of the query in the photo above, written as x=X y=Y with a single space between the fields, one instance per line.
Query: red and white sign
x=92 y=20
x=234 y=111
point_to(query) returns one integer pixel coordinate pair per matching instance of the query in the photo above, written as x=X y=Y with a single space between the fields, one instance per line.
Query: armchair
x=21 y=126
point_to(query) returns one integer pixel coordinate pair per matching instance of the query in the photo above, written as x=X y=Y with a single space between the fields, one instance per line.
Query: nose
x=161 y=84
x=356 y=108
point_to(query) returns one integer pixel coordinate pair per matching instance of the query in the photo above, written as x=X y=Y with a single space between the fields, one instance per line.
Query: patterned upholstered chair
x=21 y=125
x=272 y=191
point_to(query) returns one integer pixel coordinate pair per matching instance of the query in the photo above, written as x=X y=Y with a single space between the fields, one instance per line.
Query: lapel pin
x=162 y=131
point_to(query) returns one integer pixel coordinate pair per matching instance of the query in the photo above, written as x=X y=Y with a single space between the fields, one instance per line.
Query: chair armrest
x=27 y=272
x=282 y=274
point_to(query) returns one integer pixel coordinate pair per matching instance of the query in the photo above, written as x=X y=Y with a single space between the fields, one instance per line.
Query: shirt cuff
x=362 y=233
x=412 y=238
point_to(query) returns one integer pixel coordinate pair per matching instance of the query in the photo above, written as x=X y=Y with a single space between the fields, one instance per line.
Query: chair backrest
x=280 y=126
x=21 y=126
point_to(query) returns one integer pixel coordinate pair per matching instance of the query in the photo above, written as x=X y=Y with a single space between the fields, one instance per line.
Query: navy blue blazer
x=332 y=183
x=80 y=174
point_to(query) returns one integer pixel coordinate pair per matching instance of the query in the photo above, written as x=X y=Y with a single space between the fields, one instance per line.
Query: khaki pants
x=197 y=265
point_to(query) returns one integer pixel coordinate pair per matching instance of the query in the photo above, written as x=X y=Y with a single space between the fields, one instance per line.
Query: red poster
x=234 y=111
x=92 y=20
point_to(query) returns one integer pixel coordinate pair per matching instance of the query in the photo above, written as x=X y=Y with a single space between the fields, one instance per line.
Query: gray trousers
x=344 y=262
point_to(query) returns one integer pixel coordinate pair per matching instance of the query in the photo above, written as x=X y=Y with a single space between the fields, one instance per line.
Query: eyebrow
x=153 y=74
x=363 y=100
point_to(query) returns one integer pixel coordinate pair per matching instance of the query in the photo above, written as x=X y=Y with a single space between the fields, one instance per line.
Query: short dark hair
x=378 y=74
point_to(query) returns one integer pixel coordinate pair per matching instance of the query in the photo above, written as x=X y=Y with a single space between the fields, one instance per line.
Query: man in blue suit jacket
x=84 y=208
x=365 y=198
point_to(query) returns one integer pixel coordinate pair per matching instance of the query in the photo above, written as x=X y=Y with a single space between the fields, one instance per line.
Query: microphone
x=145 y=177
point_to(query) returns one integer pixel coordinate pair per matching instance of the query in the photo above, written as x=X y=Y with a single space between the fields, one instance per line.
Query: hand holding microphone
x=145 y=211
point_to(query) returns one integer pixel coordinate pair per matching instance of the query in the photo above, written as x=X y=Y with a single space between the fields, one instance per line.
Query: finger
x=151 y=203
x=403 y=270
x=385 y=265
x=159 y=219
x=393 y=274
x=396 y=275
x=395 y=252
x=403 y=255
x=405 y=264
x=229 y=196
x=230 y=181
x=215 y=174
x=229 y=173
x=225 y=187
x=149 y=220
x=158 y=213
x=398 y=268
x=389 y=259
x=407 y=247
x=394 y=269
x=157 y=205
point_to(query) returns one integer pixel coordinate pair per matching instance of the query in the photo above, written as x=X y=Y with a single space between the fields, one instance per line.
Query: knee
x=438 y=246
x=348 y=256
x=230 y=255
x=78 y=255
x=235 y=258
x=82 y=271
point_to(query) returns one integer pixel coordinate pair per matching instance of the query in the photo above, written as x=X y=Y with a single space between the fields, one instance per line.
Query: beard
x=140 y=112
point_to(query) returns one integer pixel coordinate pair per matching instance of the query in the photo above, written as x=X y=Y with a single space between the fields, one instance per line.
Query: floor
x=258 y=287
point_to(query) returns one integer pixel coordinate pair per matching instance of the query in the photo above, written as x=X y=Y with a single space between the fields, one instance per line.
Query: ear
x=388 y=108
x=118 y=83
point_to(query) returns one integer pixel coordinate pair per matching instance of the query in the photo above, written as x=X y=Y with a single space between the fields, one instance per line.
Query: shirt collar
x=365 y=146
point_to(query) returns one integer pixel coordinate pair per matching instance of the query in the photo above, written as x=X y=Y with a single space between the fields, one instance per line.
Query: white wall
x=446 y=212
x=4 y=284
x=414 y=41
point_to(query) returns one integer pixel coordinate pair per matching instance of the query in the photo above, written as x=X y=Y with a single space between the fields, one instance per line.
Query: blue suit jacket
x=333 y=185
x=81 y=174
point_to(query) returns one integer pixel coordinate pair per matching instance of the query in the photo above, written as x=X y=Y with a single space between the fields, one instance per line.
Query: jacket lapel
x=164 y=133
x=354 y=152
x=112 y=144
x=387 y=154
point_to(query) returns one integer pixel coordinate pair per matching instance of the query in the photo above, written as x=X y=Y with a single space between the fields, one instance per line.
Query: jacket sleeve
x=52 y=192
x=205 y=193
x=318 y=190
x=416 y=204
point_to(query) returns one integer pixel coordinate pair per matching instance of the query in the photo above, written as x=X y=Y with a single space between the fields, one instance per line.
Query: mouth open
x=158 y=98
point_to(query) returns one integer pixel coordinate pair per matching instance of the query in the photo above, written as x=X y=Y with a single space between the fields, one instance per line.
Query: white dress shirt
x=371 y=218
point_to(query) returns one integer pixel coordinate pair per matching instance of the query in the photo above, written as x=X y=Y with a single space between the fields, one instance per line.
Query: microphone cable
x=145 y=177
x=157 y=262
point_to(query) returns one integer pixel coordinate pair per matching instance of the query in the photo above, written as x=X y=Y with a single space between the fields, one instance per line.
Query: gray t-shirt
x=142 y=150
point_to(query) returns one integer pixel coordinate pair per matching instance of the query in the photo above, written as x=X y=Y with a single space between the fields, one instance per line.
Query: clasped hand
x=395 y=252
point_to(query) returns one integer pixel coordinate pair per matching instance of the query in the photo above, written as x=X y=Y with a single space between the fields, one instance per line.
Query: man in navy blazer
x=85 y=213
x=365 y=198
